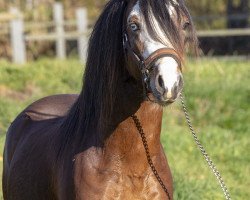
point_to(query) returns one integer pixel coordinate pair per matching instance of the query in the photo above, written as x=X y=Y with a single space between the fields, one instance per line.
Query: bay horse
x=87 y=146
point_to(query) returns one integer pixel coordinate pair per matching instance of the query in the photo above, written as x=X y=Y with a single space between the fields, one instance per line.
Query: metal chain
x=204 y=153
x=150 y=162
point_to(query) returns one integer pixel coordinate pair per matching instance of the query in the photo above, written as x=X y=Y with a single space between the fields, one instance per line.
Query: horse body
x=87 y=146
x=117 y=171
x=40 y=121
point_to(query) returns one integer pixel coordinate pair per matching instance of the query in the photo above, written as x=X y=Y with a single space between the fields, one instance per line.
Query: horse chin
x=155 y=97
x=164 y=103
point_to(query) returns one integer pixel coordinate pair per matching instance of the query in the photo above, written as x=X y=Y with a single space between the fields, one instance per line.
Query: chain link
x=204 y=153
x=150 y=162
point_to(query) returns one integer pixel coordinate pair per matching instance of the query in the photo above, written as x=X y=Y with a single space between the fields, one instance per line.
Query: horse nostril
x=160 y=81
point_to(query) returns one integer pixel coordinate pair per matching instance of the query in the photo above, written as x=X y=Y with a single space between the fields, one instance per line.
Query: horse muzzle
x=166 y=82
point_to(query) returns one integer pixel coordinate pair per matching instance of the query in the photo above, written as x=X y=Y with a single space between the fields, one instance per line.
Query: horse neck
x=126 y=140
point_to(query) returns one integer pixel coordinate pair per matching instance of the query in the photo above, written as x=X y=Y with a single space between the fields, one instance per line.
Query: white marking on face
x=150 y=45
x=135 y=11
x=167 y=66
x=168 y=71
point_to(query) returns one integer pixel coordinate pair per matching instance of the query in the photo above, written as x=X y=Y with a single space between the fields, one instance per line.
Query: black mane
x=92 y=111
x=105 y=63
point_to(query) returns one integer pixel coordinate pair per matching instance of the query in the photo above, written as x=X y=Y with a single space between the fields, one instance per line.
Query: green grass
x=217 y=95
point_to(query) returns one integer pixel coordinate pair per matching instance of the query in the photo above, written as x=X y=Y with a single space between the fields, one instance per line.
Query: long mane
x=90 y=114
x=105 y=64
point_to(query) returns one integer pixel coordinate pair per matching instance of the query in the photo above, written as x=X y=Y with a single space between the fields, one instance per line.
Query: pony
x=87 y=146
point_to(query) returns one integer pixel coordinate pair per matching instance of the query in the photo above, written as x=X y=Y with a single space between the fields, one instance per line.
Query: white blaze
x=167 y=66
x=169 y=73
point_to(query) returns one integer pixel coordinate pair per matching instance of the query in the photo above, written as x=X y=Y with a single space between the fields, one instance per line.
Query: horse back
x=50 y=107
x=29 y=150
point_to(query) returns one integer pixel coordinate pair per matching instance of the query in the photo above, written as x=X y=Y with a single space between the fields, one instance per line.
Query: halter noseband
x=147 y=65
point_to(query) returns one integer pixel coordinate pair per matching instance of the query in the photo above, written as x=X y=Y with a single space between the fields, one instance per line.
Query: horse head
x=154 y=37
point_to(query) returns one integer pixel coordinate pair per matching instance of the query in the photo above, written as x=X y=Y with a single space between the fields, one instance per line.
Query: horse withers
x=87 y=146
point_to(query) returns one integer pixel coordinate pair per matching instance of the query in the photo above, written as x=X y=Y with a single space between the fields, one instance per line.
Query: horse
x=87 y=145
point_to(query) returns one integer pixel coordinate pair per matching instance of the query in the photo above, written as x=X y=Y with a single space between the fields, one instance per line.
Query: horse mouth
x=165 y=103
x=155 y=97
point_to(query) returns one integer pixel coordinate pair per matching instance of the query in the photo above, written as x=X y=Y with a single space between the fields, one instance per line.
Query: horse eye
x=186 y=25
x=134 y=27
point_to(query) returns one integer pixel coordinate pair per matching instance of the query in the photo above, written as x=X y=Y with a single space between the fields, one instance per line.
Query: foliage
x=40 y=10
x=217 y=95
x=205 y=8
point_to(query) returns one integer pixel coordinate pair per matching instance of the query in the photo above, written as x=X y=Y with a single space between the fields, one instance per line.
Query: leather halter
x=147 y=65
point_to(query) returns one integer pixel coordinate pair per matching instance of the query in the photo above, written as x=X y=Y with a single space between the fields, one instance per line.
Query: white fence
x=16 y=29
x=18 y=37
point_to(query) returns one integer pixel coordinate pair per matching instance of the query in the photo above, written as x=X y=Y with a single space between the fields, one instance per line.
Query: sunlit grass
x=217 y=95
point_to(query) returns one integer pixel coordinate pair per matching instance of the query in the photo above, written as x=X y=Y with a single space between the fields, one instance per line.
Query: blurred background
x=39 y=26
x=43 y=50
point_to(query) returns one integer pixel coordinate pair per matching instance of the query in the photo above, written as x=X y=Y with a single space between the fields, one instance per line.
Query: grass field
x=217 y=95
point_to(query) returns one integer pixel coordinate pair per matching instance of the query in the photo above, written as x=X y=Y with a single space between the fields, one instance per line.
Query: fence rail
x=226 y=17
x=224 y=33
x=13 y=25
x=53 y=36
x=5 y=17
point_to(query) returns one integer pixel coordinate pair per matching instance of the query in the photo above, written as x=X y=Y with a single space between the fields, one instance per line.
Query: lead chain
x=204 y=153
x=150 y=162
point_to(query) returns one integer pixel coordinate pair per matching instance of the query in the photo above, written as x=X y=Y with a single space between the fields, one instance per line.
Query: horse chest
x=113 y=182
x=114 y=186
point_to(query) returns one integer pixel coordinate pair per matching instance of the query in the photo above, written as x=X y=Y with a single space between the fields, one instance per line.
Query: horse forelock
x=161 y=17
